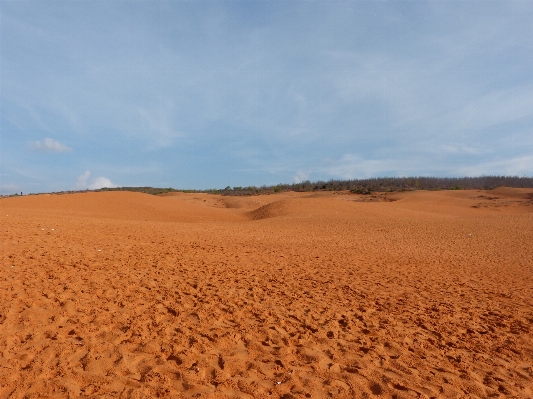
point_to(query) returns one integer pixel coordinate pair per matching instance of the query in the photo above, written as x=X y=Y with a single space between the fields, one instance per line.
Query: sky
x=209 y=94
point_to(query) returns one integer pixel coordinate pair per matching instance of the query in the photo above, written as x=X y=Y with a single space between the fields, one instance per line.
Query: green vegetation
x=357 y=186
x=387 y=184
x=364 y=186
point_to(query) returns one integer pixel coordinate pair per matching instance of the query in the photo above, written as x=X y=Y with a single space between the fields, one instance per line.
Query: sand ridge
x=294 y=295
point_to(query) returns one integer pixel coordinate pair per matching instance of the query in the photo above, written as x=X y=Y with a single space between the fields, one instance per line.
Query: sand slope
x=404 y=295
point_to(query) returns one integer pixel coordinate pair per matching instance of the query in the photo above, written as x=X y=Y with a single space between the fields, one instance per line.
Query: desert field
x=293 y=295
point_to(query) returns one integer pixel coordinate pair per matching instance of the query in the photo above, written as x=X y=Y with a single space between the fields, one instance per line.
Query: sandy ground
x=418 y=294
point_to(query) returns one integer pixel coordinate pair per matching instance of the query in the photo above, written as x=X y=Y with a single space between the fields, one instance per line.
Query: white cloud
x=495 y=108
x=439 y=87
x=300 y=177
x=351 y=166
x=50 y=145
x=457 y=149
x=101 y=182
x=82 y=182
x=159 y=124
x=518 y=166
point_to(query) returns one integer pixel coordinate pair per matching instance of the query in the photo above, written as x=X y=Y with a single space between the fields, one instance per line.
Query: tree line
x=386 y=184
x=356 y=186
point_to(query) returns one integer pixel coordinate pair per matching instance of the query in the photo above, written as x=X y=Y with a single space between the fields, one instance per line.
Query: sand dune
x=398 y=295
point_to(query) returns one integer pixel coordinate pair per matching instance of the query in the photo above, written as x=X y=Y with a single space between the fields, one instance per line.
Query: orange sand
x=405 y=295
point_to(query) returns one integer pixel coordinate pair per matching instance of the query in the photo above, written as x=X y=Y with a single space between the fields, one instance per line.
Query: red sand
x=407 y=295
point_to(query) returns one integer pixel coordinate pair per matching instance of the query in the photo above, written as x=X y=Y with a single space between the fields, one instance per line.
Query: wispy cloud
x=515 y=166
x=496 y=108
x=159 y=124
x=8 y=189
x=352 y=166
x=82 y=182
x=212 y=91
x=300 y=176
x=457 y=149
x=49 y=145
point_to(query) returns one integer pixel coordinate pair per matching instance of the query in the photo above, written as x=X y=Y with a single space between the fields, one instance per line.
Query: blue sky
x=206 y=94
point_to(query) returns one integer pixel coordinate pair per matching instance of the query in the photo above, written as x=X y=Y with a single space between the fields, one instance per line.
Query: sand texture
x=294 y=295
